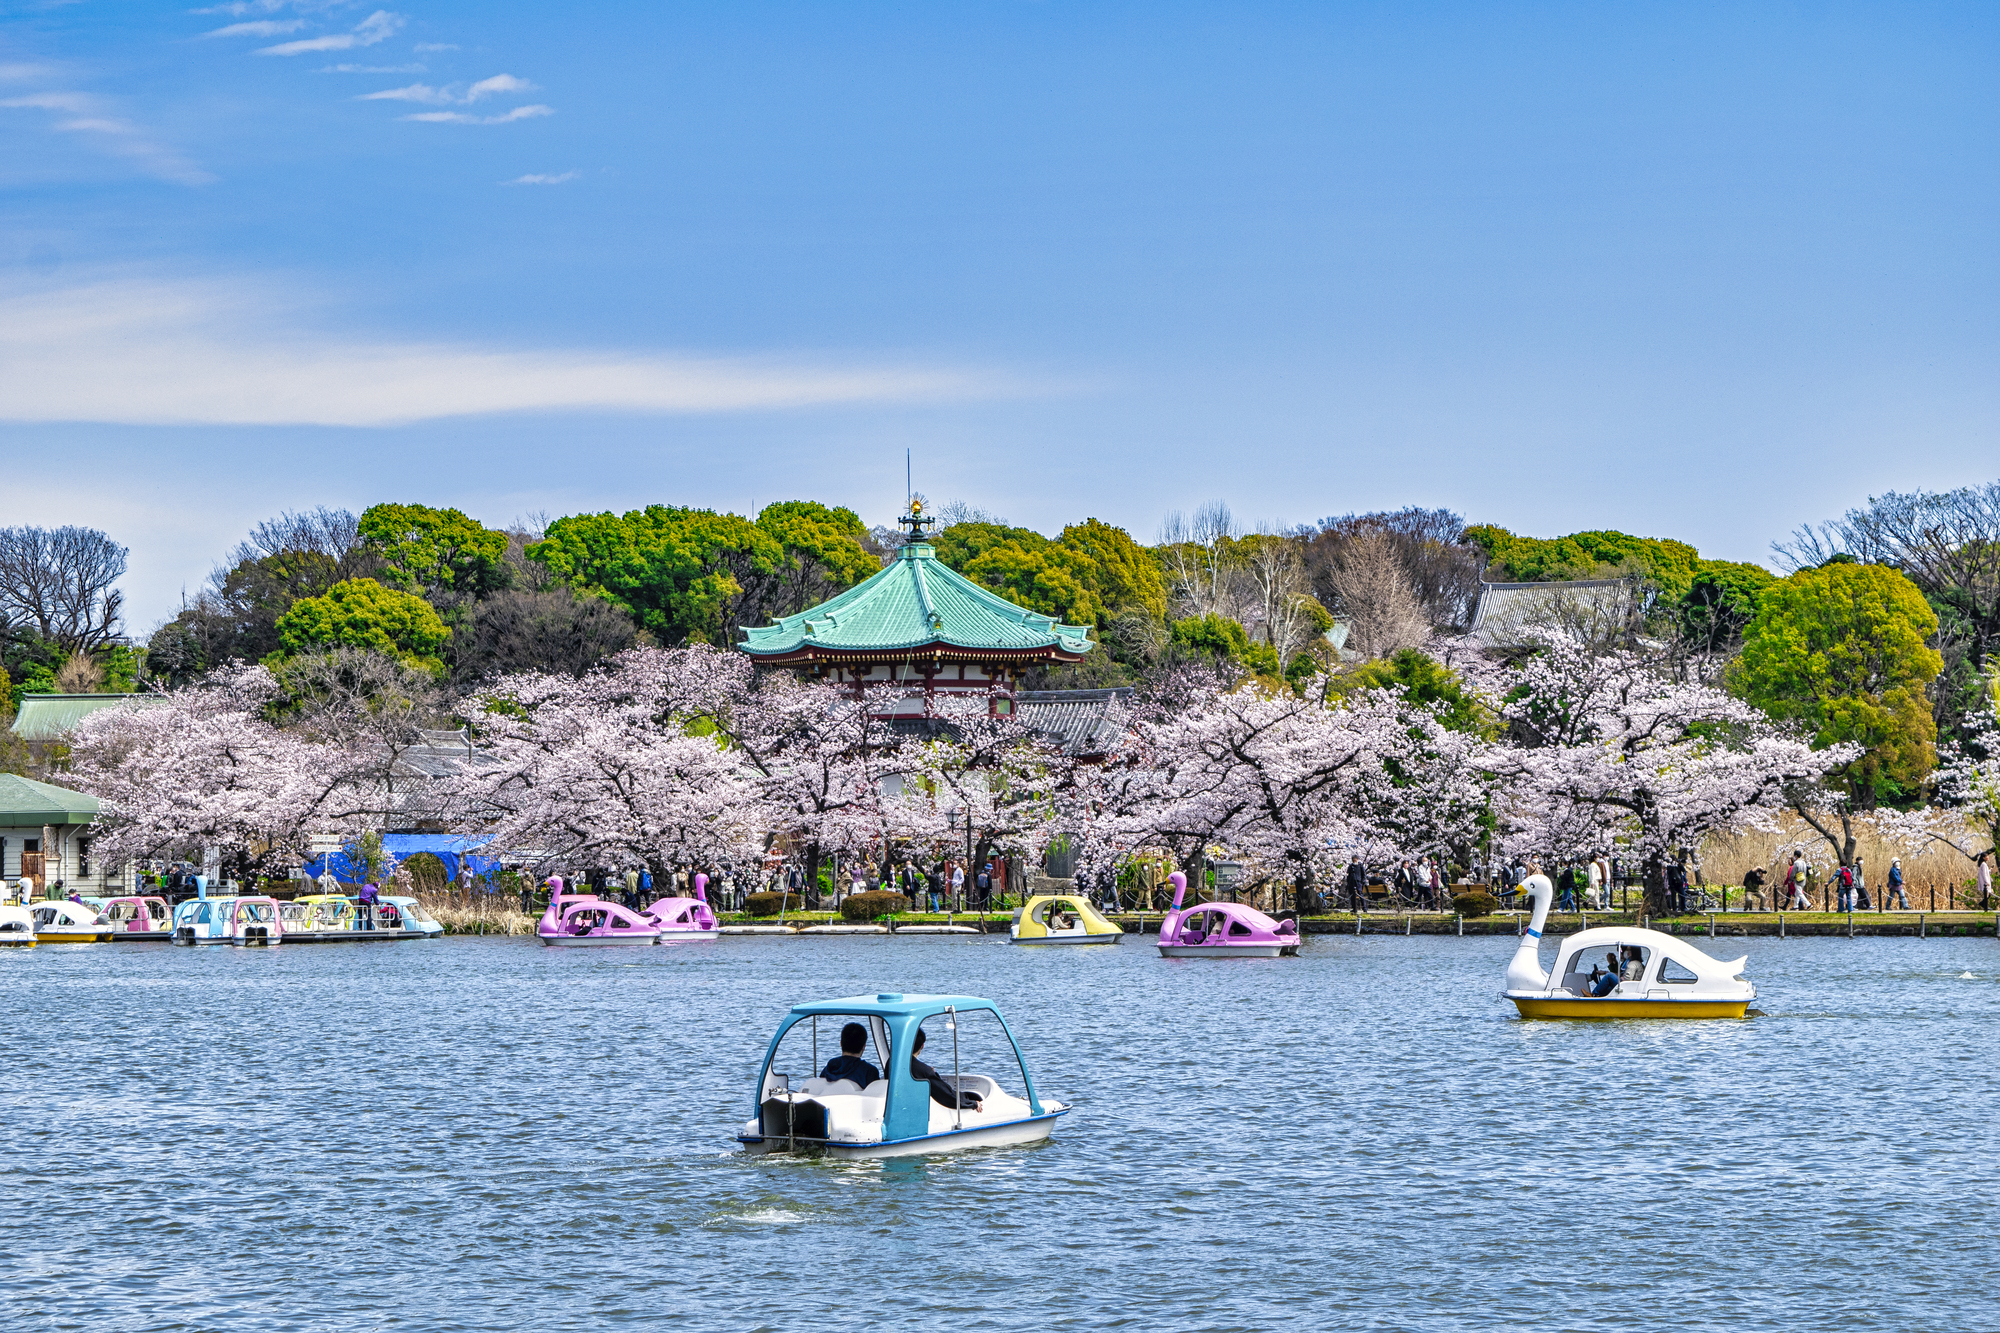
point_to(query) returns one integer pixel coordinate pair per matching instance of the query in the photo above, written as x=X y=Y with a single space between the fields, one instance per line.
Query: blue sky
x=1695 y=271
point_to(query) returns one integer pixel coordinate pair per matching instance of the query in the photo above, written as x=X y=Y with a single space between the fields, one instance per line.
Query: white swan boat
x=1652 y=975
x=17 y=926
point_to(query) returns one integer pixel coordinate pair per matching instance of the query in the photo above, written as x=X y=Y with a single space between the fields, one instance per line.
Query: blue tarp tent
x=460 y=856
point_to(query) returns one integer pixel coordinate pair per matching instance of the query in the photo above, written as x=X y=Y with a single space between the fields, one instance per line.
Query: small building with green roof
x=922 y=625
x=44 y=835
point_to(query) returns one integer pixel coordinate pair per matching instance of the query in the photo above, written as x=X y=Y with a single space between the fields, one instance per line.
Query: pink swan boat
x=1223 y=930
x=575 y=920
x=685 y=920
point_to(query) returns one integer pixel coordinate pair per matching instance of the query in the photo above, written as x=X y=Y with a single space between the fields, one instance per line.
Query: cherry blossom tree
x=201 y=767
x=1609 y=753
x=985 y=773
x=818 y=758
x=626 y=763
x=1278 y=777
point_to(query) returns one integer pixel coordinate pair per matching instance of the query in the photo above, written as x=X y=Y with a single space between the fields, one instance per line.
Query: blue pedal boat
x=898 y=1112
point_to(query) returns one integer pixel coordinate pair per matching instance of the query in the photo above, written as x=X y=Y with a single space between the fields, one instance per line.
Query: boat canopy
x=899 y=1016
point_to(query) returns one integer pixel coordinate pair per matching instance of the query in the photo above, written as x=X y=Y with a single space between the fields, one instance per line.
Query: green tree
x=1844 y=650
x=1126 y=577
x=687 y=575
x=361 y=613
x=1669 y=565
x=1426 y=680
x=1090 y=575
x=439 y=554
x=1213 y=636
x=825 y=552
x=1722 y=601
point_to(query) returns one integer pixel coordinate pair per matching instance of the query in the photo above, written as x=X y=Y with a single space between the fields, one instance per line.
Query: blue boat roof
x=890 y=1004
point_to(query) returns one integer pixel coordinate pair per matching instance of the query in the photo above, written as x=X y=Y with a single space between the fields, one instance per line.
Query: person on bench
x=849 y=1064
x=941 y=1092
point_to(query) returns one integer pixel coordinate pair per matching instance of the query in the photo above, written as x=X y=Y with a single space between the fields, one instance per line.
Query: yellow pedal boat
x=1621 y=972
x=1062 y=918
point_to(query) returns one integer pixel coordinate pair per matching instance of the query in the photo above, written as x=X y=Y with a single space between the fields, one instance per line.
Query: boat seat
x=819 y=1087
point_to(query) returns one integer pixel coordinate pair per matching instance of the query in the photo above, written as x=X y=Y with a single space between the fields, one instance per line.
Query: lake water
x=485 y=1134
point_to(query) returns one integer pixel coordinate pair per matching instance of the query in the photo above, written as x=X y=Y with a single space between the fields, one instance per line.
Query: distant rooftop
x=43 y=717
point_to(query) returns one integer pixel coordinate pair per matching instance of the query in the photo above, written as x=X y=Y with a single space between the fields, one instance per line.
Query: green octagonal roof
x=914 y=605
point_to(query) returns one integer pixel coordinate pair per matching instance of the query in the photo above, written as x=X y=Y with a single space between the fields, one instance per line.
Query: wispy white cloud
x=412 y=68
x=14 y=73
x=258 y=28
x=453 y=94
x=143 y=352
x=461 y=118
x=435 y=46
x=499 y=83
x=544 y=180
x=92 y=116
x=416 y=92
x=377 y=27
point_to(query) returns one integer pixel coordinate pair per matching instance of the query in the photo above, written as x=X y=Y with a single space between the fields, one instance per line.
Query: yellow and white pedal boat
x=1640 y=973
x=1062 y=918
x=60 y=921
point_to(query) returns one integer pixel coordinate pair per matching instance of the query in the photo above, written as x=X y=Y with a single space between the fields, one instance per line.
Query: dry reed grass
x=1725 y=859
x=478 y=914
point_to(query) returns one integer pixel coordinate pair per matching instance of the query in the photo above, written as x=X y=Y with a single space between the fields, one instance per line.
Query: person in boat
x=367 y=899
x=849 y=1064
x=1634 y=965
x=941 y=1092
x=1604 y=980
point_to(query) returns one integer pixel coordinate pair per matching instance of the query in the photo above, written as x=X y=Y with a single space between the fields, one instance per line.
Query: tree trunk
x=1656 y=886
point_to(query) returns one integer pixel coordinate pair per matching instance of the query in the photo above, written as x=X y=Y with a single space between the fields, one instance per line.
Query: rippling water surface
x=485 y=1134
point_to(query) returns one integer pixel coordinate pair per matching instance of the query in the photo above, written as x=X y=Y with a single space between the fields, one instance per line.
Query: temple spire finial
x=917 y=522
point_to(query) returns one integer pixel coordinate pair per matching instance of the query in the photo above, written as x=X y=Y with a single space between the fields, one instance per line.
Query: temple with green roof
x=919 y=624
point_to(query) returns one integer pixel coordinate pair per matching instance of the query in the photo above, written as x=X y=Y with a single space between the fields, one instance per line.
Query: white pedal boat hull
x=689 y=936
x=598 y=941
x=1078 y=938
x=1013 y=1132
x=1224 y=950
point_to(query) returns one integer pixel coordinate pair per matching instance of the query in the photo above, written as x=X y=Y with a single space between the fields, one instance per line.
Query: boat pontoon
x=899 y=1110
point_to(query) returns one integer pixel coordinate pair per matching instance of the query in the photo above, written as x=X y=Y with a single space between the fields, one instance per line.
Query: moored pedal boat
x=1223 y=930
x=583 y=920
x=888 y=1101
x=17 y=926
x=685 y=920
x=59 y=921
x=139 y=918
x=1643 y=973
x=249 y=920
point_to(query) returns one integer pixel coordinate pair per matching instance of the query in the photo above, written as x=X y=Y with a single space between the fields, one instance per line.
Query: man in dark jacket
x=941 y=1092
x=849 y=1064
x=1357 y=882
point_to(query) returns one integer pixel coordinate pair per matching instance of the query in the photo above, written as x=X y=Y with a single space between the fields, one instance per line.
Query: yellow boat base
x=74 y=935
x=1570 y=1007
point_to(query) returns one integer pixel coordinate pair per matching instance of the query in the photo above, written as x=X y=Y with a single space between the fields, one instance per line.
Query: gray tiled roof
x=1084 y=721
